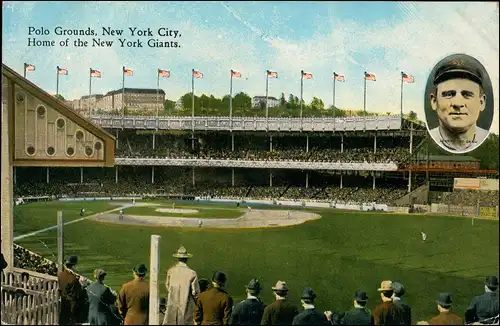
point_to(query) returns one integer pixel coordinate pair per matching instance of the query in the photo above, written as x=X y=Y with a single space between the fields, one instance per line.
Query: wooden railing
x=29 y=298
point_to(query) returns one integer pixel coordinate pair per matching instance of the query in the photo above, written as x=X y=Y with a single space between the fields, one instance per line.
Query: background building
x=272 y=102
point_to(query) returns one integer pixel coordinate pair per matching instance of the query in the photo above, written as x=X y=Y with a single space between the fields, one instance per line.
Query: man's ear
x=433 y=102
x=482 y=101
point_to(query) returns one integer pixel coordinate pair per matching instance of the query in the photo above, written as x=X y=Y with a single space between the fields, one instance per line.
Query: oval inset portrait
x=458 y=103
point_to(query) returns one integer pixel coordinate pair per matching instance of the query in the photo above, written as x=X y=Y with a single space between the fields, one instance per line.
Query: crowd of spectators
x=26 y=259
x=469 y=197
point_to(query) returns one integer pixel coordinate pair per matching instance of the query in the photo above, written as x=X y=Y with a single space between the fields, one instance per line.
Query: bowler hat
x=458 y=66
x=308 y=293
x=140 y=269
x=398 y=288
x=182 y=253
x=444 y=299
x=72 y=260
x=280 y=286
x=254 y=284
x=98 y=273
x=492 y=282
x=360 y=296
x=385 y=286
x=219 y=277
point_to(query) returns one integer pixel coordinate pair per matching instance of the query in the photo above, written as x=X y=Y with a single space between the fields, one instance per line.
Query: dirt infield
x=256 y=218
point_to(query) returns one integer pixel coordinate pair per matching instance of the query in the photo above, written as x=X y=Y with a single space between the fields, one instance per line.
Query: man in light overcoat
x=183 y=288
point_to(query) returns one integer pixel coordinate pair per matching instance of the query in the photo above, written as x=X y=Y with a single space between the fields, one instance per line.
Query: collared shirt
x=308 y=306
x=252 y=297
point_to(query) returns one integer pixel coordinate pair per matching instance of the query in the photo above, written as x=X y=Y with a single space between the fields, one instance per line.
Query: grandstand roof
x=136 y=90
x=447 y=158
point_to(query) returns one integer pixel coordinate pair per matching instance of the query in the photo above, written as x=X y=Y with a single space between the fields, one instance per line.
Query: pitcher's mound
x=177 y=210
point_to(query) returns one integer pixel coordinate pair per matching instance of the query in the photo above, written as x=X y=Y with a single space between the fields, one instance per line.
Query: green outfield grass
x=203 y=212
x=335 y=255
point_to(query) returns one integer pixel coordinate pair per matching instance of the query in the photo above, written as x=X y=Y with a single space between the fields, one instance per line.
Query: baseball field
x=335 y=252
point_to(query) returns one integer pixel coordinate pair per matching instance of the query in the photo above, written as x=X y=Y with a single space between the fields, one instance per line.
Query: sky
x=384 y=38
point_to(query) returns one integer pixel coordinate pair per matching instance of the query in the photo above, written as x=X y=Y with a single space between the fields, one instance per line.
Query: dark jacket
x=72 y=298
x=406 y=309
x=310 y=317
x=482 y=307
x=446 y=318
x=101 y=302
x=3 y=264
x=133 y=302
x=280 y=312
x=387 y=313
x=357 y=316
x=247 y=312
x=213 y=307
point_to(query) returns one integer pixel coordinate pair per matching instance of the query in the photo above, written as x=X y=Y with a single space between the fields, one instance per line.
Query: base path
x=256 y=218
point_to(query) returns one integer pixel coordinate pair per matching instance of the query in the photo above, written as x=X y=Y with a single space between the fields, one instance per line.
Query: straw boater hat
x=280 y=286
x=385 y=286
x=182 y=253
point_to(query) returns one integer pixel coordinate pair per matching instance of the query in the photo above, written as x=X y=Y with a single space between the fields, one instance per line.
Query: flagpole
x=90 y=90
x=192 y=109
x=123 y=90
x=333 y=105
x=301 y=90
x=267 y=92
x=364 y=97
x=157 y=90
x=57 y=80
x=24 y=73
x=401 y=109
x=231 y=100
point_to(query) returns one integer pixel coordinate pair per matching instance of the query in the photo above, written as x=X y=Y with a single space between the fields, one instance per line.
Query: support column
x=342 y=143
x=14 y=174
x=47 y=174
x=341 y=179
x=373 y=174
x=116 y=173
x=270 y=179
x=60 y=241
x=154 y=265
x=152 y=175
x=232 y=177
x=411 y=138
x=271 y=143
x=307 y=143
x=193 y=175
x=409 y=181
x=375 y=144
x=232 y=142
x=81 y=175
x=7 y=203
x=307 y=180
x=154 y=139
x=116 y=138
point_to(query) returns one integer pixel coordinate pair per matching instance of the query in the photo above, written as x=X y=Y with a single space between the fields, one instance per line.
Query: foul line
x=20 y=237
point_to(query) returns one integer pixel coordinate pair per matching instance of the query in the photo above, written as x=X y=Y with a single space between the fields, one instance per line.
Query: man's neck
x=461 y=139
x=384 y=299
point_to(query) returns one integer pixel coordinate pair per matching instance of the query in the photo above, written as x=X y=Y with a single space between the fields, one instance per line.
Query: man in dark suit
x=310 y=316
x=281 y=311
x=360 y=315
x=101 y=300
x=3 y=264
x=249 y=311
x=387 y=313
x=399 y=291
x=445 y=317
x=484 y=307
x=163 y=308
x=71 y=293
x=133 y=300
x=214 y=306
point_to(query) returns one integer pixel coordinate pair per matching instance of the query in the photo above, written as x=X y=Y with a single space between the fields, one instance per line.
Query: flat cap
x=458 y=66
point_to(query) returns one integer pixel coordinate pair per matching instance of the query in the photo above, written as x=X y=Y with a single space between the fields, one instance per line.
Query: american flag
x=62 y=71
x=407 y=78
x=235 y=74
x=197 y=74
x=272 y=74
x=95 y=73
x=307 y=75
x=163 y=73
x=339 y=77
x=370 y=76
x=128 y=71
x=29 y=67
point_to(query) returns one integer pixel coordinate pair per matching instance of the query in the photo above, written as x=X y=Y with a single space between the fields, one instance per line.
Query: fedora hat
x=99 y=273
x=219 y=277
x=254 y=284
x=140 y=269
x=72 y=260
x=280 y=286
x=360 y=296
x=492 y=282
x=308 y=293
x=398 y=288
x=444 y=299
x=385 y=286
x=182 y=253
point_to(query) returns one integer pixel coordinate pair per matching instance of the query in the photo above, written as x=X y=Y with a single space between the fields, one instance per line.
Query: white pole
x=154 y=304
x=60 y=241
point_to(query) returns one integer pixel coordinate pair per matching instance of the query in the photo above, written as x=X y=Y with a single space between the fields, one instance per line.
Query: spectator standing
x=71 y=292
x=133 y=300
x=214 y=306
x=445 y=317
x=387 y=313
x=281 y=311
x=183 y=288
x=101 y=301
x=399 y=291
x=163 y=307
x=3 y=264
x=310 y=316
x=204 y=284
x=249 y=311
x=484 y=306
x=360 y=315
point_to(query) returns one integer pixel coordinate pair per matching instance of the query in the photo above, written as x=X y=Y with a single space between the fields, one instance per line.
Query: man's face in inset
x=458 y=103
